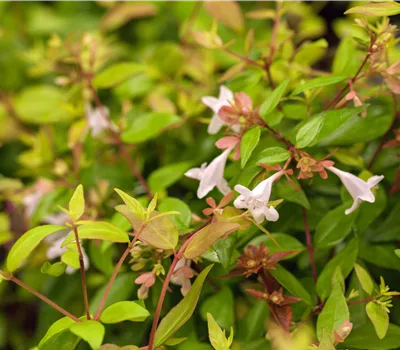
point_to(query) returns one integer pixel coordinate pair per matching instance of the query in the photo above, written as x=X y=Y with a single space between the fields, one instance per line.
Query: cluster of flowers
x=228 y=110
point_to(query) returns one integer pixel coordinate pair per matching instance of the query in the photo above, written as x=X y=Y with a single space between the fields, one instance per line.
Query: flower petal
x=271 y=213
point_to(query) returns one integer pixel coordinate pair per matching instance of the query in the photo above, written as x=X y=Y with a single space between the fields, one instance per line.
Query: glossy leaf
x=317 y=83
x=334 y=312
x=379 y=318
x=365 y=279
x=309 y=131
x=291 y=283
x=59 y=326
x=132 y=204
x=54 y=270
x=77 y=204
x=206 y=237
x=345 y=259
x=166 y=176
x=181 y=221
x=273 y=99
x=124 y=311
x=116 y=74
x=273 y=155
x=148 y=126
x=24 y=246
x=383 y=8
x=98 y=230
x=217 y=336
x=334 y=227
x=90 y=331
x=182 y=312
x=248 y=144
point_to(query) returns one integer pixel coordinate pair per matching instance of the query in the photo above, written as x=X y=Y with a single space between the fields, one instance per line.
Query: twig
x=178 y=256
x=352 y=80
x=309 y=246
x=361 y=301
x=115 y=273
x=243 y=58
x=39 y=295
x=117 y=137
x=82 y=269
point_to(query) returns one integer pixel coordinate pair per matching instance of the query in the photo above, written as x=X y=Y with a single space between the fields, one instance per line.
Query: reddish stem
x=352 y=80
x=39 y=295
x=310 y=246
x=115 y=273
x=177 y=257
x=361 y=301
x=82 y=270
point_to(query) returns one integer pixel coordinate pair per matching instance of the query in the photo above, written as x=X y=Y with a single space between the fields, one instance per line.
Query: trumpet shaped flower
x=211 y=175
x=359 y=189
x=215 y=104
x=257 y=199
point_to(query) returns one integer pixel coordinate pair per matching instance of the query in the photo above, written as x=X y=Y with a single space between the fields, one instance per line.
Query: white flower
x=98 y=120
x=225 y=96
x=212 y=175
x=359 y=189
x=54 y=250
x=257 y=200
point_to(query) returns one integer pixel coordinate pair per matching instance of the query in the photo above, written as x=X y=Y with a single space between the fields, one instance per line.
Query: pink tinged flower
x=359 y=189
x=215 y=104
x=98 y=120
x=211 y=175
x=182 y=275
x=146 y=280
x=257 y=199
x=31 y=201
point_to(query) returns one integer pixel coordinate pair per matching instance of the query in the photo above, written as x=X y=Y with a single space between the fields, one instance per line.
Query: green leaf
x=384 y=8
x=317 y=83
x=345 y=61
x=334 y=227
x=286 y=243
x=397 y=252
x=379 y=318
x=24 y=246
x=365 y=338
x=166 y=176
x=389 y=230
x=248 y=144
x=309 y=131
x=148 y=126
x=365 y=280
x=222 y=305
x=357 y=129
x=206 y=237
x=334 y=313
x=286 y=191
x=116 y=74
x=385 y=252
x=55 y=270
x=132 y=204
x=160 y=232
x=345 y=260
x=325 y=342
x=273 y=155
x=124 y=311
x=225 y=249
x=77 y=204
x=182 y=221
x=90 y=331
x=98 y=230
x=71 y=259
x=41 y=104
x=291 y=283
x=121 y=290
x=217 y=336
x=182 y=312
x=273 y=99
x=61 y=325
x=252 y=326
